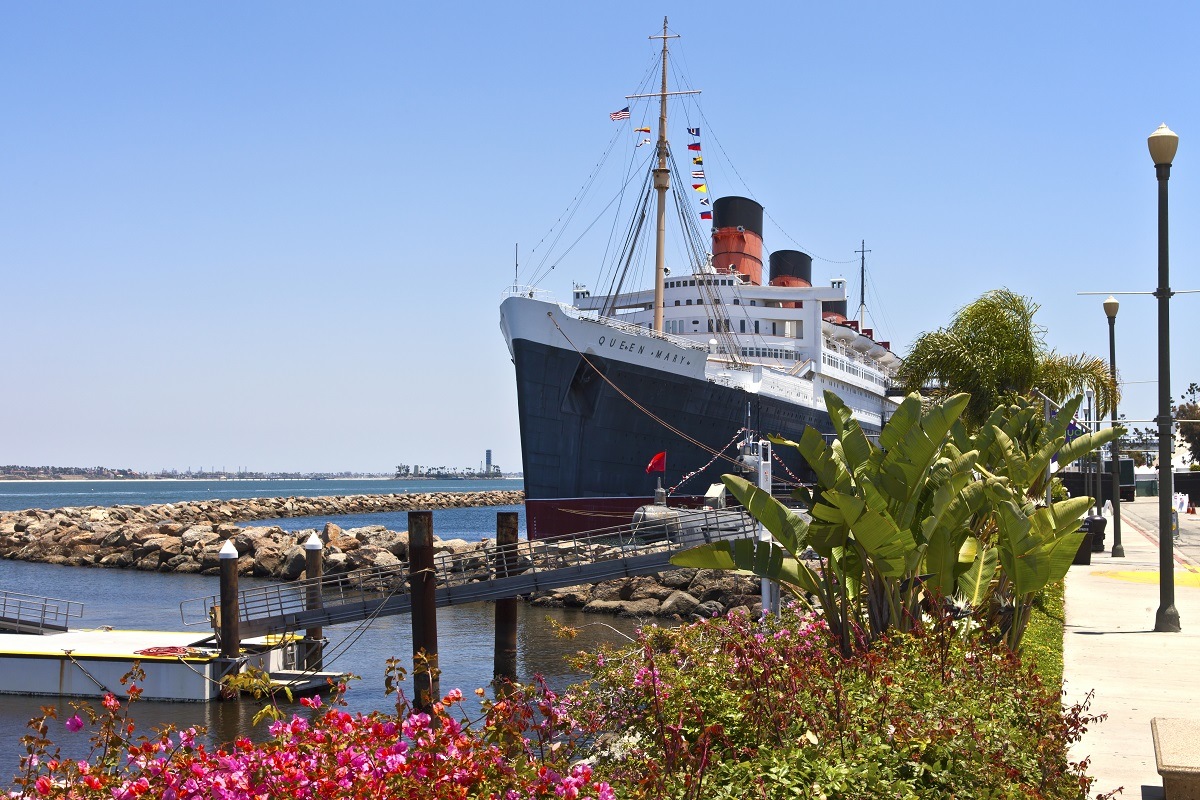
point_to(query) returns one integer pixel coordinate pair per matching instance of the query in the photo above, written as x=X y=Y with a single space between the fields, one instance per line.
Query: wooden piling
x=423 y=585
x=314 y=568
x=231 y=637
x=505 y=657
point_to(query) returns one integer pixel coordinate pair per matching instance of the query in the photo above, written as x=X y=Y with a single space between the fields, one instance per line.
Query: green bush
x=734 y=708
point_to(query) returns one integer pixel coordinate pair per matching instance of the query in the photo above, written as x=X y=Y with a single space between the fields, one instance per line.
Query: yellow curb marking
x=1189 y=578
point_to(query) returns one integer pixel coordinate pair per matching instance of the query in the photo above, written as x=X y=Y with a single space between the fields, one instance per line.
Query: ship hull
x=590 y=425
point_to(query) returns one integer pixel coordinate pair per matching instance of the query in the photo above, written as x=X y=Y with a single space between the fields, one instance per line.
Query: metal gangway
x=28 y=613
x=497 y=572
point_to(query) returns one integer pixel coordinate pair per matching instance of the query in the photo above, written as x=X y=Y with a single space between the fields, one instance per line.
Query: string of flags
x=698 y=173
x=701 y=186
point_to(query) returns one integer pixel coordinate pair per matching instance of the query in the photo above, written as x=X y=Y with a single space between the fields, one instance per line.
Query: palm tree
x=993 y=350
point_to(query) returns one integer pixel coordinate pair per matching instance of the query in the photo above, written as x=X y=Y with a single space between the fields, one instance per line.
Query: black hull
x=585 y=447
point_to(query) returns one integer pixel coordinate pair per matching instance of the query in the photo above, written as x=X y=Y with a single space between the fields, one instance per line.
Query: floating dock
x=179 y=666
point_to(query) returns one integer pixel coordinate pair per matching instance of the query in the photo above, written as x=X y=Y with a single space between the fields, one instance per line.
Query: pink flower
x=74 y=724
x=311 y=702
x=111 y=702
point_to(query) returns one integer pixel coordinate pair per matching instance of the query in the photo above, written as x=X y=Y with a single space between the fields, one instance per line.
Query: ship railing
x=370 y=588
x=27 y=613
x=531 y=292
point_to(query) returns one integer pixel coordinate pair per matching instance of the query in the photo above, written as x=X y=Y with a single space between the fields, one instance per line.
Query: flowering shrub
x=739 y=708
x=514 y=754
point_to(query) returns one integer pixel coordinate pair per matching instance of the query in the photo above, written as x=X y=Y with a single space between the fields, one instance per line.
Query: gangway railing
x=28 y=613
x=476 y=575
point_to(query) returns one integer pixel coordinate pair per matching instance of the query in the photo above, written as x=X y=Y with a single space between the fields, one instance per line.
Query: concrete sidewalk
x=1110 y=648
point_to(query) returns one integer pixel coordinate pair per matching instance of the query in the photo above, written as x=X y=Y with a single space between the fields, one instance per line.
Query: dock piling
x=423 y=586
x=314 y=568
x=505 y=657
x=231 y=639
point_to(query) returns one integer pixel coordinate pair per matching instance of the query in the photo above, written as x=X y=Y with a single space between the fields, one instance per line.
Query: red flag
x=694 y=146
x=658 y=463
x=705 y=215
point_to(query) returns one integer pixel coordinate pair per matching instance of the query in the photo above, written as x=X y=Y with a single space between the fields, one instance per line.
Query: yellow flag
x=702 y=188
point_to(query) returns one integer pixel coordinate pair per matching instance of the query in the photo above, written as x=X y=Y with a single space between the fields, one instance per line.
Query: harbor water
x=150 y=601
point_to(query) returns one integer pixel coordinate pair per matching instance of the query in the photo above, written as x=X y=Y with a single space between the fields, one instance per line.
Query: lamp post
x=1163 y=143
x=1110 y=309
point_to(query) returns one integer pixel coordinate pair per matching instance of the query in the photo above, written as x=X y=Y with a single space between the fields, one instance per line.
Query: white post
x=770 y=589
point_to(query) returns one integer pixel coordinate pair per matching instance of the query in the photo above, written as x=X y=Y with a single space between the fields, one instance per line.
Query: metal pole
x=423 y=585
x=231 y=636
x=770 y=589
x=1118 y=550
x=1167 y=617
x=314 y=568
x=504 y=663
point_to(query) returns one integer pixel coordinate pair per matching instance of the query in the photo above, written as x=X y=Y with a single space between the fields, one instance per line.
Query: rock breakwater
x=185 y=537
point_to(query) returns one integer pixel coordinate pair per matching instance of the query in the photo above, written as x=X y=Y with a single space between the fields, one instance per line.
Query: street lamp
x=1163 y=143
x=1110 y=309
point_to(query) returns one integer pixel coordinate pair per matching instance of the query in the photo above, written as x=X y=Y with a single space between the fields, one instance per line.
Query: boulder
x=294 y=562
x=680 y=603
x=623 y=608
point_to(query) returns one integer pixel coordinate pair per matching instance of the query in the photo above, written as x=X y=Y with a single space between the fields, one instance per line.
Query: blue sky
x=274 y=235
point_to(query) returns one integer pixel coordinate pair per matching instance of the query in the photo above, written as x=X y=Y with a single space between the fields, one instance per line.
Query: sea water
x=150 y=601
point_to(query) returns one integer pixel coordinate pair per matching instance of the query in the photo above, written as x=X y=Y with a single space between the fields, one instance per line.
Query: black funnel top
x=730 y=212
x=791 y=263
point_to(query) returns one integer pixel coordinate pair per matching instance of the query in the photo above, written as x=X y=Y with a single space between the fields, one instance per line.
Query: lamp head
x=1163 y=143
x=1110 y=307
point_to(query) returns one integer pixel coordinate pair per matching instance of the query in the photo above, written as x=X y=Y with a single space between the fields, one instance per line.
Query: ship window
x=699 y=301
x=727 y=326
x=710 y=326
x=799 y=329
x=753 y=302
x=742 y=325
x=696 y=322
x=676 y=302
x=689 y=302
x=774 y=329
x=691 y=283
x=756 y=326
x=737 y=301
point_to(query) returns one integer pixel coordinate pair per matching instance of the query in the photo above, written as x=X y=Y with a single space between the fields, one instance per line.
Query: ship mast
x=662 y=182
x=862 y=285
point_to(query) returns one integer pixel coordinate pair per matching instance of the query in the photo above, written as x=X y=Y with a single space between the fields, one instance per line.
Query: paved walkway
x=1111 y=648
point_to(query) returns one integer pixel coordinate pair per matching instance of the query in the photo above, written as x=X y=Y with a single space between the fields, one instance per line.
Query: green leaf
x=974 y=584
x=750 y=557
x=788 y=527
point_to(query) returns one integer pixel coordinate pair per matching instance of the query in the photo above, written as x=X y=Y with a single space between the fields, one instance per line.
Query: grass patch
x=1043 y=642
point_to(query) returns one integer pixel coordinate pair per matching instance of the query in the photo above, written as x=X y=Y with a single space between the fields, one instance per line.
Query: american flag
x=617 y=116
x=698 y=173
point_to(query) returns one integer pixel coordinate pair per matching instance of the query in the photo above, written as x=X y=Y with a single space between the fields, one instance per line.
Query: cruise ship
x=729 y=349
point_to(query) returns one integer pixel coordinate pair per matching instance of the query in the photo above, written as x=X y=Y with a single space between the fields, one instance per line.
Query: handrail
x=28 y=612
x=371 y=586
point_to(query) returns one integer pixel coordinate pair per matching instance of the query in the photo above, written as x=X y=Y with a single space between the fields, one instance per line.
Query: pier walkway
x=492 y=573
